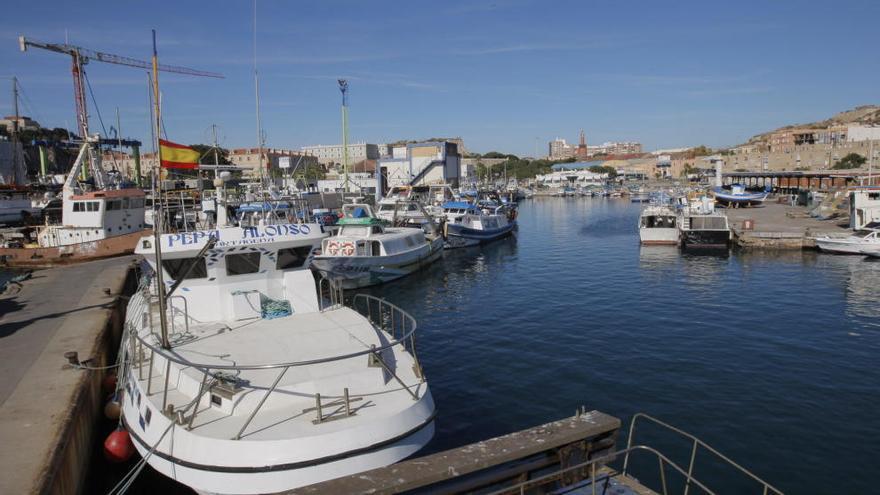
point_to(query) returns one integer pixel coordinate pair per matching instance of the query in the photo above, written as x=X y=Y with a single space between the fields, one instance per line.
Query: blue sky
x=500 y=74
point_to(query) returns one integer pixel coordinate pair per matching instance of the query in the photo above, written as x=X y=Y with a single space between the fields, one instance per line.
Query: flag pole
x=157 y=221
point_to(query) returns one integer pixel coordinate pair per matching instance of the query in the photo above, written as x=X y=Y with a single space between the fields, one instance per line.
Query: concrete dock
x=48 y=409
x=780 y=226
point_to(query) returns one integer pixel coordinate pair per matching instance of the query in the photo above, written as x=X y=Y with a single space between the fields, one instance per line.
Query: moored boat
x=658 y=224
x=469 y=225
x=366 y=252
x=858 y=243
x=701 y=226
x=96 y=223
x=262 y=380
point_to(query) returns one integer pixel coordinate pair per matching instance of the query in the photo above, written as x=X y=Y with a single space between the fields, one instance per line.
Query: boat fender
x=112 y=409
x=118 y=446
x=109 y=383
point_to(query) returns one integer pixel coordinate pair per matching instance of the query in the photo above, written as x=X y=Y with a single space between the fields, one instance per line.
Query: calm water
x=771 y=358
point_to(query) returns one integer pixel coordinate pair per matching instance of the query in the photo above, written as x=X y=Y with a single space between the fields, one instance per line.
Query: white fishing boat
x=366 y=252
x=97 y=221
x=658 y=224
x=265 y=381
x=858 y=243
x=470 y=225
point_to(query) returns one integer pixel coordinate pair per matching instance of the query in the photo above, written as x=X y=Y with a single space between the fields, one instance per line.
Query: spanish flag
x=178 y=156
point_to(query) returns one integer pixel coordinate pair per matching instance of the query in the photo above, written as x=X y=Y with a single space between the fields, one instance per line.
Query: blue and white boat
x=737 y=196
x=469 y=225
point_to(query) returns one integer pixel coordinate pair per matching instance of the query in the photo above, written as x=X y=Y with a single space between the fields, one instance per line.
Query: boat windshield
x=359 y=230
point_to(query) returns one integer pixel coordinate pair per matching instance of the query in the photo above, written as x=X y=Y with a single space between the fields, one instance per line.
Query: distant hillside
x=865 y=114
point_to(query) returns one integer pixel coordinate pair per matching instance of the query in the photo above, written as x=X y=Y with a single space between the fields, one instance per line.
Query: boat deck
x=290 y=410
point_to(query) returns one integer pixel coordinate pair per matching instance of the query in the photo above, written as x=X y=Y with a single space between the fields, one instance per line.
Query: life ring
x=347 y=248
x=332 y=248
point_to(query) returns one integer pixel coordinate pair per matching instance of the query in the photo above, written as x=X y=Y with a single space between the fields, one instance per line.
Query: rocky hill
x=865 y=114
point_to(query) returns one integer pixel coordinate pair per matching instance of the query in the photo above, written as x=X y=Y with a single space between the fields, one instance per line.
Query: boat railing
x=596 y=474
x=395 y=327
x=696 y=445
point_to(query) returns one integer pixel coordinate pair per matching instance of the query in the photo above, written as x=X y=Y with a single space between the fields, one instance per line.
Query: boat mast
x=157 y=221
x=15 y=178
x=257 y=92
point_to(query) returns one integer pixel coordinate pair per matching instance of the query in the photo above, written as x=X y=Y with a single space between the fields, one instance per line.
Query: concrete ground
x=57 y=310
x=781 y=226
x=773 y=217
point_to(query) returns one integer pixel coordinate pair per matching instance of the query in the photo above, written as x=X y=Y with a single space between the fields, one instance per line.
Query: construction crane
x=81 y=56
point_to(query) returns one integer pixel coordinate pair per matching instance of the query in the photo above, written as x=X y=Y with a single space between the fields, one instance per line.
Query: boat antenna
x=260 y=139
x=157 y=221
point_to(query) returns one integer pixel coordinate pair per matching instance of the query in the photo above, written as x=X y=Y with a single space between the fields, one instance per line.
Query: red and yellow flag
x=178 y=156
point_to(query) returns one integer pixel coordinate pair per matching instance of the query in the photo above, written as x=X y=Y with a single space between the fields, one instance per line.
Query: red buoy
x=109 y=383
x=118 y=446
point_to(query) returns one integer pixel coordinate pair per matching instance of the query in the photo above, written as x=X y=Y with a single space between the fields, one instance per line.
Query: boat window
x=113 y=205
x=376 y=229
x=242 y=263
x=93 y=205
x=78 y=206
x=292 y=257
x=176 y=268
x=377 y=248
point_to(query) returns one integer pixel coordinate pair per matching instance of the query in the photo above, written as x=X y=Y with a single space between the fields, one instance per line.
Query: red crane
x=81 y=56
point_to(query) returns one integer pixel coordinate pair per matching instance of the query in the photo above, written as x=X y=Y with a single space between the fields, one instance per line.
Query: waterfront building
x=432 y=162
x=330 y=154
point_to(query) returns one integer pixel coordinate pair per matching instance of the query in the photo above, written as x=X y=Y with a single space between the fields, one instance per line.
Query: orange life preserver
x=332 y=247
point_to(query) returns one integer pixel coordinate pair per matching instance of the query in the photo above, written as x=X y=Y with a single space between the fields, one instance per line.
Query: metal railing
x=397 y=327
x=767 y=487
x=599 y=479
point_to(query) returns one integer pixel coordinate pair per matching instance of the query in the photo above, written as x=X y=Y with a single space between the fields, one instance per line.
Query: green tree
x=852 y=160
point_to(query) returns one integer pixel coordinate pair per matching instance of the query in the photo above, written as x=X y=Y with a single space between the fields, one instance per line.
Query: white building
x=862 y=133
x=328 y=154
x=434 y=162
x=363 y=181
x=559 y=149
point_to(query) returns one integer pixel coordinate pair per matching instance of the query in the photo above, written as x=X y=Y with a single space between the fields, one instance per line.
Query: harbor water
x=769 y=357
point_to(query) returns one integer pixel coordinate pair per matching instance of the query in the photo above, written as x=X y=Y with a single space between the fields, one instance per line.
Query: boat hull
x=839 y=246
x=659 y=236
x=355 y=272
x=44 y=257
x=279 y=465
x=705 y=239
x=459 y=236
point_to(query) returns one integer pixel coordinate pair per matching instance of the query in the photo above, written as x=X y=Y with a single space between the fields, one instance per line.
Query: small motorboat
x=469 y=225
x=858 y=243
x=366 y=252
x=737 y=196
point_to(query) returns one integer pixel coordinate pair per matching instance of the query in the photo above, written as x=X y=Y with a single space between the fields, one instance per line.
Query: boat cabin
x=361 y=233
x=96 y=215
x=248 y=270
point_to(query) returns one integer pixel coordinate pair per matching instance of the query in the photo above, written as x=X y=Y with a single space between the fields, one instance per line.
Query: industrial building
x=433 y=162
